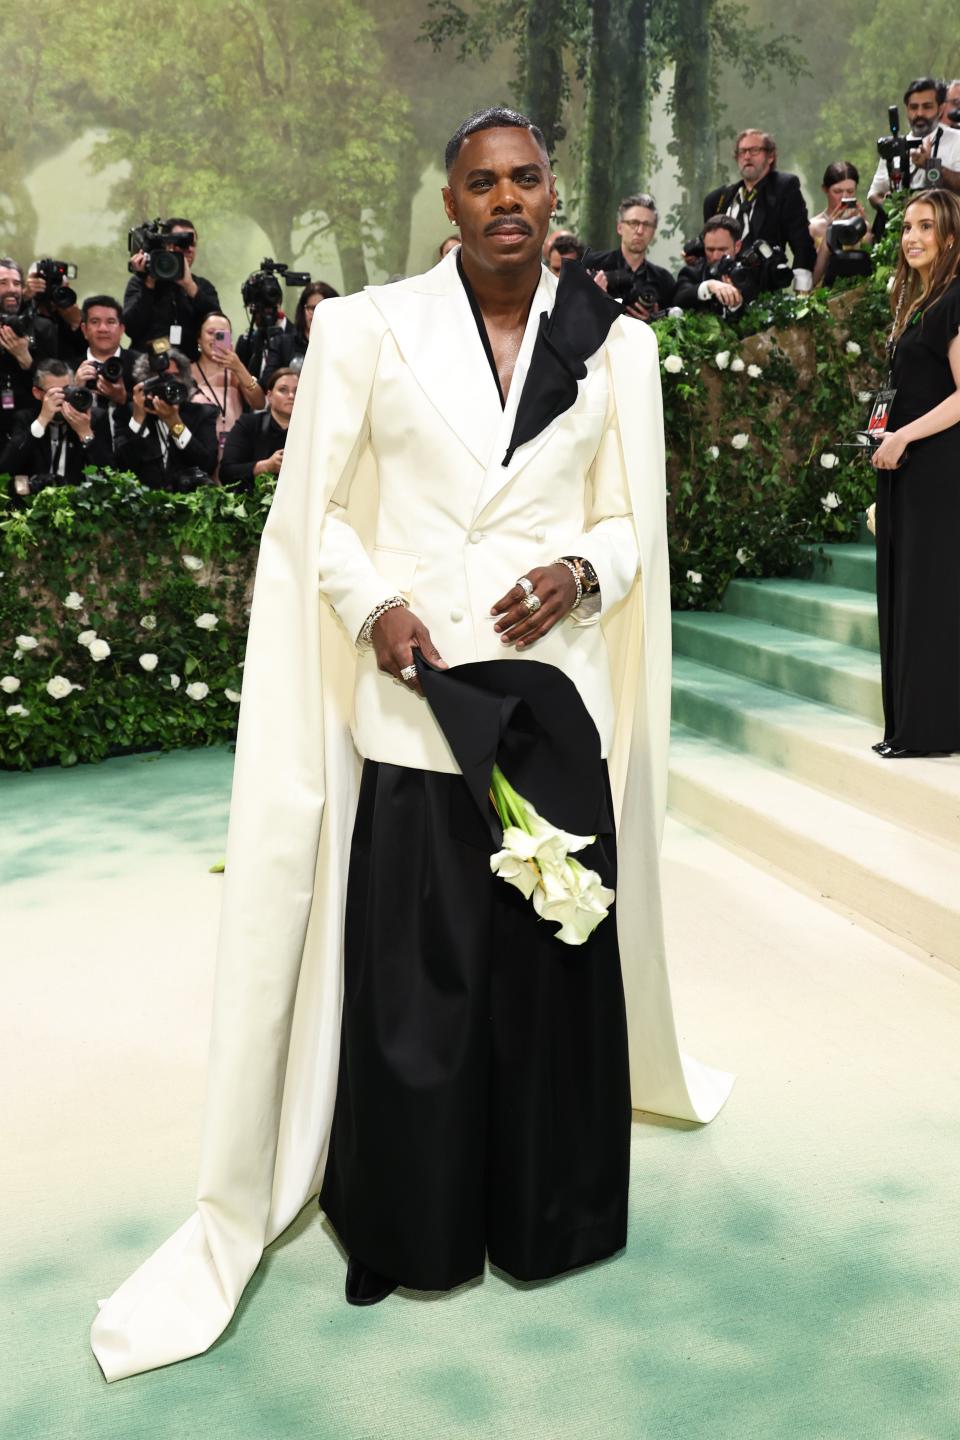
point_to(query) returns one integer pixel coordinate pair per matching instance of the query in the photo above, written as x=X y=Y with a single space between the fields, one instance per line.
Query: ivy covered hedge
x=123 y=610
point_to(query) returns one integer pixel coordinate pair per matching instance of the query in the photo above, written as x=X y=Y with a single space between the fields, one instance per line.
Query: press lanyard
x=210 y=391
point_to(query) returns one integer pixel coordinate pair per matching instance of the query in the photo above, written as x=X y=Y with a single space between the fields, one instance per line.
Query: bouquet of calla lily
x=536 y=859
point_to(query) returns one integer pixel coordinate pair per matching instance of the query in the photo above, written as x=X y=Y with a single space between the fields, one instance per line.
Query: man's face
x=500 y=192
x=719 y=243
x=555 y=262
x=636 y=230
x=923 y=112
x=952 y=102
x=190 y=254
x=11 y=290
x=754 y=161
x=102 y=330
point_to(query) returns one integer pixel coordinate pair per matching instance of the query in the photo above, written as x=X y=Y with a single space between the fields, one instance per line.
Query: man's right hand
x=52 y=403
x=139 y=264
x=727 y=294
x=396 y=635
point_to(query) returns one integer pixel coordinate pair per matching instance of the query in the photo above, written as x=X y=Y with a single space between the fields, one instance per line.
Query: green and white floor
x=793 y=1271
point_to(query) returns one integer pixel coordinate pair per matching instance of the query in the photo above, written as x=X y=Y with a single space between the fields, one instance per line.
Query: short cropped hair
x=495 y=117
x=568 y=245
x=184 y=224
x=730 y=223
x=926 y=82
x=59 y=369
x=641 y=198
x=104 y=302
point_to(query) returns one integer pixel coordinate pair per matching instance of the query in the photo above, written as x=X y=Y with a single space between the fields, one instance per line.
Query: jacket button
x=475 y=537
x=456 y=616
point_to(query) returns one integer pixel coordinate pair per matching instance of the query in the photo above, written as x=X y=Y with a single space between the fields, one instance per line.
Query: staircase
x=776 y=702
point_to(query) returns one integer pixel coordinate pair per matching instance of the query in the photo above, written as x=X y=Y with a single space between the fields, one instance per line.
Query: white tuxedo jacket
x=453 y=526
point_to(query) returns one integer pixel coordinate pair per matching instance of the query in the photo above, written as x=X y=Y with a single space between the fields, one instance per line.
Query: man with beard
x=768 y=203
x=938 y=146
x=25 y=339
x=474 y=470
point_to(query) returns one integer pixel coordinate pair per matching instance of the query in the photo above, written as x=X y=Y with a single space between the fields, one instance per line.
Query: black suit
x=42 y=335
x=149 y=314
x=612 y=261
x=690 y=279
x=24 y=454
x=143 y=452
x=252 y=438
x=779 y=215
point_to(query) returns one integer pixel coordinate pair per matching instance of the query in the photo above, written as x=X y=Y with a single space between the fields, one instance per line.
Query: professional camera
x=843 y=235
x=16 y=323
x=162 y=247
x=261 y=292
x=111 y=370
x=79 y=397
x=623 y=285
x=55 y=272
x=692 y=249
x=954 y=116
x=758 y=266
x=895 y=150
x=166 y=388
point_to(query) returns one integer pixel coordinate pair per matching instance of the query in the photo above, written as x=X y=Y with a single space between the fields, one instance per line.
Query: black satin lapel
x=573 y=331
x=528 y=718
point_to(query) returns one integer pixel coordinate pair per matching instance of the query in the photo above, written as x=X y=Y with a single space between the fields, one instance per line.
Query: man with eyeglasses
x=768 y=203
x=642 y=288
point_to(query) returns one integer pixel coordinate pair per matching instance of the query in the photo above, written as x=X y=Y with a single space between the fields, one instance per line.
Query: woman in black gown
x=918 y=490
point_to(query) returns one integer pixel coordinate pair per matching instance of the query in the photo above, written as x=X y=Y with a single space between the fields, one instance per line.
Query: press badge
x=880 y=414
x=6 y=398
x=176 y=334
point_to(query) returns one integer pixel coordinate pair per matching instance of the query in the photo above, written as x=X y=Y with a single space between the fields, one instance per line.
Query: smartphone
x=224 y=338
x=849 y=202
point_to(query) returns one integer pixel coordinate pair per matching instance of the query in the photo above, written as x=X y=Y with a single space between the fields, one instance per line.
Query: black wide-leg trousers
x=483 y=1100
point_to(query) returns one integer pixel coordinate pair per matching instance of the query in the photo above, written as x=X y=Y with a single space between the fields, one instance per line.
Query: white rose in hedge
x=17 y=710
x=174 y=682
x=59 y=687
x=737 y=365
x=232 y=696
x=148 y=662
x=830 y=501
x=191 y=562
x=852 y=347
x=198 y=690
x=829 y=461
x=99 y=649
x=26 y=642
x=73 y=601
x=754 y=371
x=148 y=622
x=713 y=452
x=206 y=621
x=673 y=364
x=722 y=360
x=740 y=442
x=742 y=556
x=9 y=684
x=864 y=396
x=694 y=577
x=86 y=637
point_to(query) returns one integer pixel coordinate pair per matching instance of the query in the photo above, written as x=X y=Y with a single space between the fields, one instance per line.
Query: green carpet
x=793 y=1270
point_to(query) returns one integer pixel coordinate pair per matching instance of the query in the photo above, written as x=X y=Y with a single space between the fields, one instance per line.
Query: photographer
x=54 y=444
x=565 y=247
x=950 y=109
x=938 y=146
x=165 y=438
x=52 y=299
x=839 y=185
x=25 y=339
x=102 y=329
x=625 y=273
x=717 y=283
x=770 y=207
x=270 y=342
x=168 y=309
x=255 y=444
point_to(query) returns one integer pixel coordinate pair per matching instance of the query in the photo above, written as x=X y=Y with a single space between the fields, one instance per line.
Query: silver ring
x=526 y=584
x=409 y=672
x=532 y=603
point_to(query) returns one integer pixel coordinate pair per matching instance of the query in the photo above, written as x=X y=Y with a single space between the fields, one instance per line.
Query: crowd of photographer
x=180 y=404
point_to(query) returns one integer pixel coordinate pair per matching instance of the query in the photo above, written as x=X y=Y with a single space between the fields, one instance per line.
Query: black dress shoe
x=881 y=747
x=890 y=754
x=365 y=1286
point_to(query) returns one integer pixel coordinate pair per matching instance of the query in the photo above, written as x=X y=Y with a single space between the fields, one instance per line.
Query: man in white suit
x=466 y=443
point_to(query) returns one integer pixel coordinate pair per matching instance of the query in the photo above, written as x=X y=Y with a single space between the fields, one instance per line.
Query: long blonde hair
x=910 y=292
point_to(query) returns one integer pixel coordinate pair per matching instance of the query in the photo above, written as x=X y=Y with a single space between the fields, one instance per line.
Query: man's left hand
x=170 y=414
x=554 y=587
x=78 y=420
x=18 y=346
x=186 y=281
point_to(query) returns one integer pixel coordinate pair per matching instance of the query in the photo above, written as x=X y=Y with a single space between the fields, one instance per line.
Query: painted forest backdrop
x=312 y=129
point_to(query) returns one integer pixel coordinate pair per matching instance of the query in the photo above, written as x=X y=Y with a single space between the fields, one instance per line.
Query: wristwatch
x=585 y=573
x=177 y=430
x=86 y=440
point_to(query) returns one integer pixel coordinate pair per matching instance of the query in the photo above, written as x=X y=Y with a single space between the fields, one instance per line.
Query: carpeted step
x=853 y=566
x=899 y=879
x=832 y=611
x=844 y=676
x=822 y=746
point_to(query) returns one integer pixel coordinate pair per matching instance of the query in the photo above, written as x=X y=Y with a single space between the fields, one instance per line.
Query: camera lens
x=166 y=265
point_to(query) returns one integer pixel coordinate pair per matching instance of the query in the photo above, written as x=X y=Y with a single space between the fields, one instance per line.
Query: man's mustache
x=507 y=222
